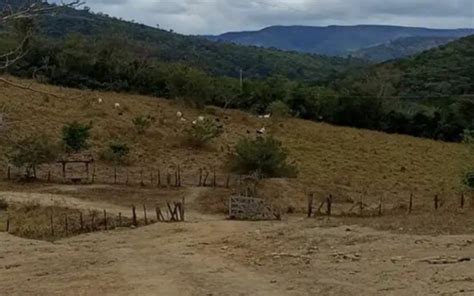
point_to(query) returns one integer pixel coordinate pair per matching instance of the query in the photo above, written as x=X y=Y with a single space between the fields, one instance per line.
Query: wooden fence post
x=115 y=175
x=93 y=174
x=168 y=179
x=380 y=208
x=179 y=176
x=7 y=230
x=151 y=178
x=329 y=205
x=310 y=204
x=436 y=202
x=200 y=177
x=49 y=176
x=159 y=178
x=9 y=176
x=462 y=200
x=205 y=179
x=120 y=219
x=126 y=177
x=182 y=208
x=51 y=224
x=410 y=204
x=144 y=214
x=81 y=221
x=141 y=178
x=93 y=221
x=214 y=178
x=134 y=216
x=176 y=177
x=105 y=220
x=66 y=223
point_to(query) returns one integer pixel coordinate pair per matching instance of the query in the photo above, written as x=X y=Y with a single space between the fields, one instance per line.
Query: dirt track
x=211 y=256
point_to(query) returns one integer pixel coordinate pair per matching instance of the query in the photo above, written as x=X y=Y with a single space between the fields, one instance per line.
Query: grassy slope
x=342 y=161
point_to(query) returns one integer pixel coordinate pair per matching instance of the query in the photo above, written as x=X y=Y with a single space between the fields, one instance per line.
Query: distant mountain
x=332 y=40
x=400 y=48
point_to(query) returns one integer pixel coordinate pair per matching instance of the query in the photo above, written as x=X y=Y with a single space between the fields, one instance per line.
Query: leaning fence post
x=144 y=214
x=310 y=204
x=134 y=216
x=436 y=202
x=182 y=208
x=49 y=176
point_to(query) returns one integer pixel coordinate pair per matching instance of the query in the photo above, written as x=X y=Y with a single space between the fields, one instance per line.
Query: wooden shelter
x=76 y=158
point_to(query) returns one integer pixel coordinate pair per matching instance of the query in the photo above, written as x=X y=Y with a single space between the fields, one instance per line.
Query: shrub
x=201 y=132
x=279 y=109
x=142 y=123
x=3 y=204
x=75 y=136
x=116 y=153
x=264 y=156
x=31 y=152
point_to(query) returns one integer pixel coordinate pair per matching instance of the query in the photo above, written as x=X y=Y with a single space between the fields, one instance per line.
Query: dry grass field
x=351 y=164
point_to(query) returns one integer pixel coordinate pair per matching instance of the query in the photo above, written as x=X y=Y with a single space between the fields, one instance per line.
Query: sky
x=219 y=16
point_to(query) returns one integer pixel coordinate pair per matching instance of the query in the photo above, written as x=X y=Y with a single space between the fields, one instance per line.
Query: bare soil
x=208 y=255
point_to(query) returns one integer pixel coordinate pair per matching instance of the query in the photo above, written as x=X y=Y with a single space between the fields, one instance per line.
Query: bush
x=31 y=152
x=264 y=156
x=142 y=123
x=279 y=109
x=469 y=179
x=116 y=153
x=201 y=132
x=75 y=136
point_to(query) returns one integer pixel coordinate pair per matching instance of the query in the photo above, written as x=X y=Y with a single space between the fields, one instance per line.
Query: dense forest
x=420 y=96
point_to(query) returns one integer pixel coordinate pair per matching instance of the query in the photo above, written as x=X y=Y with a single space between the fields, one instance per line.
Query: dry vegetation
x=349 y=163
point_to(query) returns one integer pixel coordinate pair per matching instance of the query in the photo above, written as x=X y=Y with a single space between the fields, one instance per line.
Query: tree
x=142 y=123
x=264 y=156
x=31 y=152
x=75 y=136
x=116 y=152
x=201 y=132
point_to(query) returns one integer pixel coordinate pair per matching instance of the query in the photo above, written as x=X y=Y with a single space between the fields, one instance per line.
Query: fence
x=68 y=224
x=327 y=206
x=132 y=176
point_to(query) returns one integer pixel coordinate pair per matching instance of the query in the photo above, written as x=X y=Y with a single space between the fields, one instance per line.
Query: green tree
x=76 y=135
x=469 y=140
x=30 y=153
x=201 y=132
x=279 y=109
x=264 y=156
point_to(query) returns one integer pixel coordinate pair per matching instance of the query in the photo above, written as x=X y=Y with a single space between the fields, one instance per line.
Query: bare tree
x=28 y=10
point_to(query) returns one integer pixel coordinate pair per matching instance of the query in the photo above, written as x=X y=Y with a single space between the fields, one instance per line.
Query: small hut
x=74 y=159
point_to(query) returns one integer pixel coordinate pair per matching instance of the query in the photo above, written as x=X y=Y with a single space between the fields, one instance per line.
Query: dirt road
x=212 y=256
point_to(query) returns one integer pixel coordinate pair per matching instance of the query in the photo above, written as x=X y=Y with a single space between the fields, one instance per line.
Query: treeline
x=116 y=64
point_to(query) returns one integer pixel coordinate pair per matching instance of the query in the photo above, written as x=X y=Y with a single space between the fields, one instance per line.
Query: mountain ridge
x=333 y=40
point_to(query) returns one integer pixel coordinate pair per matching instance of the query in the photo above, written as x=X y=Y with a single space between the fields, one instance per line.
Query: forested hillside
x=400 y=48
x=444 y=71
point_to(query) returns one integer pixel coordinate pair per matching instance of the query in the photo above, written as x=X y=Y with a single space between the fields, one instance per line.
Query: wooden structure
x=250 y=208
x=76 y=158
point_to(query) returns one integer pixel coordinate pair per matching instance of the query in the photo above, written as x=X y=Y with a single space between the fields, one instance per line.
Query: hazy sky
x=218 y=16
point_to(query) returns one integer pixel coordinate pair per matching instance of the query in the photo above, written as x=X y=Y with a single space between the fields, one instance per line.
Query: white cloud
x=217 y=16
